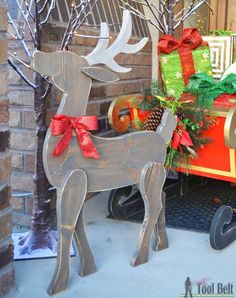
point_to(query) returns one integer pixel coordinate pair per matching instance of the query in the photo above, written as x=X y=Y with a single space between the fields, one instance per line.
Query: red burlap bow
x=62 y=124
x=191 y=39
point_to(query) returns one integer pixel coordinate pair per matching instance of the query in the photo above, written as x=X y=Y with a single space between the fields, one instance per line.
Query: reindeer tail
x=167 y=126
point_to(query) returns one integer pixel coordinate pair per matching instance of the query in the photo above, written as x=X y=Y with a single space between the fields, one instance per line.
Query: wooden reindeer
x=135 y=158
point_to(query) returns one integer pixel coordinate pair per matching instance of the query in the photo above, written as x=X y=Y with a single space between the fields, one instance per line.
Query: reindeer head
x=70 y=71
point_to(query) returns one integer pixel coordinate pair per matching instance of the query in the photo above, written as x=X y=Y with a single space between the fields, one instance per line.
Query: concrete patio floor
x=113 y=243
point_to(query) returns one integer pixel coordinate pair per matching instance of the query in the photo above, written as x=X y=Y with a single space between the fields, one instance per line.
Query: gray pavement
x=113 y=243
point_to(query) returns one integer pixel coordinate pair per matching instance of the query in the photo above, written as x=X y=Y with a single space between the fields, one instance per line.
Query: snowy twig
x=20 y=72
x=25 y=16
x=76 y=20
x=18 y=35
x=51 y=7
x=138 y=13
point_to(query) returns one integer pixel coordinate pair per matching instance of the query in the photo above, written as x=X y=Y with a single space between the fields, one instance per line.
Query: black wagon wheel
x=125 y=202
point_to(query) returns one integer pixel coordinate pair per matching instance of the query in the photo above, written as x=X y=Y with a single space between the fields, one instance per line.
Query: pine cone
x=153 y=120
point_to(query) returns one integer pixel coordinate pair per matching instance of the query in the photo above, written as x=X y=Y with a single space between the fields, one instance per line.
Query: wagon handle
x=117 y=121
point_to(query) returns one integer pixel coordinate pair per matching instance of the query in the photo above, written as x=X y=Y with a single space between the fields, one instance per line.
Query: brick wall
x=22 y=116
x=22 y=141
x=6 y=247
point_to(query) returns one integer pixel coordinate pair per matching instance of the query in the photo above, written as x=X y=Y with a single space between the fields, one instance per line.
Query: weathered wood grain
x=70 y=200
x=135 y=158
x=151 y=183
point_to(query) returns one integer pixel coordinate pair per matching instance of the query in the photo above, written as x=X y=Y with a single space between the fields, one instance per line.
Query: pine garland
x=192 y=122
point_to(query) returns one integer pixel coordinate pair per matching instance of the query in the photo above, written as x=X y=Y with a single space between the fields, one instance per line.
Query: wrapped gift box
x=221 y=53
x=181 y=59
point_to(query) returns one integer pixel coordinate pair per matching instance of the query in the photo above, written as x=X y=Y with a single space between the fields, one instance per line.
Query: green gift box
x=179 y=60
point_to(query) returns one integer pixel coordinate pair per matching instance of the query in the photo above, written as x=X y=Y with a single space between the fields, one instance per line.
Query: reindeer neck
x=74 y=103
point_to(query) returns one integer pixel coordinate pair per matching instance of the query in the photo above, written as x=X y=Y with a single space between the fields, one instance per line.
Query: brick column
x=6 y=247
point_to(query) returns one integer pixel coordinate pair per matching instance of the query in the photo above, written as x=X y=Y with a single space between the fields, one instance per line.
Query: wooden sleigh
x=221 y=148
x=216 y=160
x=135 y=158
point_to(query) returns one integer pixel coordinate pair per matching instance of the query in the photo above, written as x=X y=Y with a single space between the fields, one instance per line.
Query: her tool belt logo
x=204 y=288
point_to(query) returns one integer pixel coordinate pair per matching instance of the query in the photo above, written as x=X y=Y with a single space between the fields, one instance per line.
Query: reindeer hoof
x=87 y=271
x=160 y=245
x=55 y=288
x=52 y=290
x=139 y=259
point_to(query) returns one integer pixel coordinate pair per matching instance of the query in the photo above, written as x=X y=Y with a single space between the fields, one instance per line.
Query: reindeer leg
x=151 y=183
x=161 y=239
x=69 y=204
x=87 y=259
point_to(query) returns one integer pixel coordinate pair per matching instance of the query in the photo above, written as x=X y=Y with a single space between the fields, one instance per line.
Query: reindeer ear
x=100 y=74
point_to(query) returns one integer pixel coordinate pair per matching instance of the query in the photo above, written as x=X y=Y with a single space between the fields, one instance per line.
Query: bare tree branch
x=78 y=15
x=138 y=13
x=166 y=21
x=155 y=16
x=175 y=3
x=44 y=6
x=26 y=20
x=19 y=60
x=18 y=35
x=28 y=7
x=51 y=7
x=193 y=7
x=20 y=72
x=48 y=89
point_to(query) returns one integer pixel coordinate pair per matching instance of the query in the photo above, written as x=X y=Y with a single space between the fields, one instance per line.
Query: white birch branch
x=51 y=7
x=136 y=12
x=19 y=36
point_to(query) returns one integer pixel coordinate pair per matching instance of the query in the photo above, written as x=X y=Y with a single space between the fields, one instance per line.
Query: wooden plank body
x=121 y=162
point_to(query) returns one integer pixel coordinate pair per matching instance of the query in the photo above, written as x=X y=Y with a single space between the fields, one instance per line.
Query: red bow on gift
x=62 y=124
x=191 y=39
x=181 y=137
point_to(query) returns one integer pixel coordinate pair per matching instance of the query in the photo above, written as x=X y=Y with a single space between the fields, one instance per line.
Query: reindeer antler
x=102 y=54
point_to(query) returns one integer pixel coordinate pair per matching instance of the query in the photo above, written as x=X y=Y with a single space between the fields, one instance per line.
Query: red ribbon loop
x=181 y=137
x=191 y=39
x=62 y=124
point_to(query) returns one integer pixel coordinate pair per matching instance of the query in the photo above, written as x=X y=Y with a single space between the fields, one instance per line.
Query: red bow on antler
x=62 y=124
